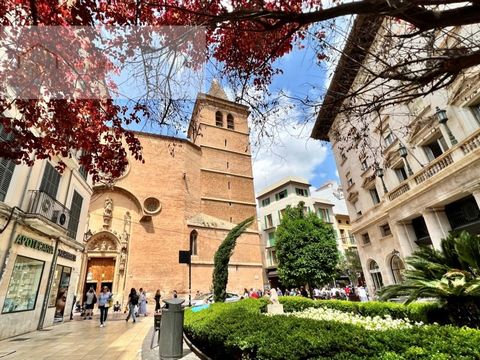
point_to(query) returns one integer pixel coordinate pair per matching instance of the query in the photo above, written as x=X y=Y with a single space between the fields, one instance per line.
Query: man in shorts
x=91 y=299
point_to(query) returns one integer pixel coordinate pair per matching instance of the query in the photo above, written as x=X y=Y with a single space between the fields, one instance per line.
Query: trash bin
x=171 y=330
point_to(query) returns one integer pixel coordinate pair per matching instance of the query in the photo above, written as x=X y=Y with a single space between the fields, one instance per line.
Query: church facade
x=186 y=196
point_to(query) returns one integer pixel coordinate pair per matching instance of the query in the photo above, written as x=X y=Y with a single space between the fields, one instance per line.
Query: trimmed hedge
x=240 y=331
x=425 y=312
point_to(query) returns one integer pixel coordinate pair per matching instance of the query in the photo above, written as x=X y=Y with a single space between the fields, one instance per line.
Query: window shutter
x=6 y=169
x=50 y=181
x=75 y=211
x=6 y=172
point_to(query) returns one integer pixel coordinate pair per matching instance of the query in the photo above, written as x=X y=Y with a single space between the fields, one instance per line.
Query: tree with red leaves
x=70 y=112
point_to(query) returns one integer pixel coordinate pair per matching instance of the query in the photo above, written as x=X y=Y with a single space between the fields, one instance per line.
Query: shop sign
x=34 y=244
x=66 y=255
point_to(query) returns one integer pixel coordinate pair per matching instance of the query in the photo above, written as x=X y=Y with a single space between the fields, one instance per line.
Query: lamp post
x=379 y=173
x=402 y=151
x=442 y=119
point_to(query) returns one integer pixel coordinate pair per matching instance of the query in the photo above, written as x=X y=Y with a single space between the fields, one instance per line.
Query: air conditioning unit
x=61 y=218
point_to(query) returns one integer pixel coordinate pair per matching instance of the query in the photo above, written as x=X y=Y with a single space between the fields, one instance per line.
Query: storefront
x=25 y=300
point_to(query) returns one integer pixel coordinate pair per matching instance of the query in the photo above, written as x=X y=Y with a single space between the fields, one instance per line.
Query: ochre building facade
x=188 y=194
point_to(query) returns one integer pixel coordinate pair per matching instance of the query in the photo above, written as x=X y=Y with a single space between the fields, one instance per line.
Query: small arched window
x=230 y=122
x=219 y=119
x=376 y=275
x=193 y=242
x=397 y=266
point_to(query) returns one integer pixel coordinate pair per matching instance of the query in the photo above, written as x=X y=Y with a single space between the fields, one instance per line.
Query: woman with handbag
x=104 y=301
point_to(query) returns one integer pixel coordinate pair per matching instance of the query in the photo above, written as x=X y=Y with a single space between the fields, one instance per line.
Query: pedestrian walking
x=157 y=301
x=104 y=300
x=132 y=302
x=90 y=300
x=362 y=294
x=142 y=303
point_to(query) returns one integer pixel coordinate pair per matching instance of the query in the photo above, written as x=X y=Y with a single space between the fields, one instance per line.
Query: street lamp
x=379 y=173
x=402 y=151
x=442 y=119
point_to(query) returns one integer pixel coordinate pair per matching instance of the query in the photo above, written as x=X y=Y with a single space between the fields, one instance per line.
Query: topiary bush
x=241 y=331
x=424 y=312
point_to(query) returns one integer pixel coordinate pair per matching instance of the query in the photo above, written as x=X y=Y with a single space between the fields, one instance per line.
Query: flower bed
x=368 y=322
x=240 y=331
x=416 y=312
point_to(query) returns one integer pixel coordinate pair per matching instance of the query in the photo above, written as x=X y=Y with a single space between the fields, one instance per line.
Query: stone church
x=187 y=195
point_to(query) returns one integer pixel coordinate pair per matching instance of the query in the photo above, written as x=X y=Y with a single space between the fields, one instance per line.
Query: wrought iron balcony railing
x=43 y=204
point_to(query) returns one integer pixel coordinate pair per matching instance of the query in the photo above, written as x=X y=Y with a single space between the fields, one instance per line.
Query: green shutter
x=75 y=211
x=265 y=218
x=6 y=172
x=50 y=181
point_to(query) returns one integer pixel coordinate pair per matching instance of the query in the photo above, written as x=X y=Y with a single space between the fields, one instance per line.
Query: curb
x=194 y=349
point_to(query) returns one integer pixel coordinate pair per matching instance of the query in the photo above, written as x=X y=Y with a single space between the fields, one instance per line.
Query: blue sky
x=297 y=155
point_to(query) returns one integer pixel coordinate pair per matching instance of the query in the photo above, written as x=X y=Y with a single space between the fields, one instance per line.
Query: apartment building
x=272 y=202
x=424 y=183
x=42 y=221
x=333 y=193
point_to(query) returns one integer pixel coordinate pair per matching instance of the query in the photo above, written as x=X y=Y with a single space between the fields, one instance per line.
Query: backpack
x=134 y=299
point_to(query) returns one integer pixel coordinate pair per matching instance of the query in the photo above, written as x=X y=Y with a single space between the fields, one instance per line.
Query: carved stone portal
x=102 y=244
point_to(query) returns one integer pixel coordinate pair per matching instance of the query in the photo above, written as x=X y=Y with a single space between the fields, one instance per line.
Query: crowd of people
x=341 y=293
x=136 y=305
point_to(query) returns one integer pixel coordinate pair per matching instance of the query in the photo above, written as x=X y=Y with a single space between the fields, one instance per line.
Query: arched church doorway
x=105 y=264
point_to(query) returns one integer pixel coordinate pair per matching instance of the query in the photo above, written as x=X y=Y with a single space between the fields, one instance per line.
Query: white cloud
x=287 y=150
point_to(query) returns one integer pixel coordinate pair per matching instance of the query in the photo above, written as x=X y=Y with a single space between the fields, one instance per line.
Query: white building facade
x=42 y=219
x=272 y=202
x=424 y=183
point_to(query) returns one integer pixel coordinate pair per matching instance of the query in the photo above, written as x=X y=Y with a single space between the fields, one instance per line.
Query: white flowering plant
x=378 y=323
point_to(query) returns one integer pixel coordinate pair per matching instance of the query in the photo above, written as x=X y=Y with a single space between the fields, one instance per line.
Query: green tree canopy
x=306 y=248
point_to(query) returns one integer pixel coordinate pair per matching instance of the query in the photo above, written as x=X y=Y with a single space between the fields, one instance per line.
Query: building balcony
x=436 y=167
x=43 y=205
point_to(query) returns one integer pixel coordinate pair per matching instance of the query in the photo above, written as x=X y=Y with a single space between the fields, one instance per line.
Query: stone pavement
x=81 y=339
x=84 y=339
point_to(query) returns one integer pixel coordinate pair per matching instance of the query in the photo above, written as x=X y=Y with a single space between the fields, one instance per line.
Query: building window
x=228 y=185
x=83 y=172
x=374 y=195
x=193 y=242
x=366 y=239
x=219 y=119
x=228 y=165
x=421 y=231
x=230 y=122
x=397 y=267
x=50 y=180
x=75 y=212
x=376 y=275
x=435 y=148
x=476 y=112
x=281 y=213
x=401 y=173
x=266 y=202
x=58 y=293
x=225 y=142
x=268 y=221
x=301 y=192
x=6 y=168
x=271 y=257
x=281 y=195
x=385 y=229
x=339 y=221
x=365 y=165
x=324 y=214
x=271 y=239
x=152 y=205
x=23 y=287
x=389 y=139
x=348 y=222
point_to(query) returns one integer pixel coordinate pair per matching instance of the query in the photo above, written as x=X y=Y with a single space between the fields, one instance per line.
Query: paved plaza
x=81 y=339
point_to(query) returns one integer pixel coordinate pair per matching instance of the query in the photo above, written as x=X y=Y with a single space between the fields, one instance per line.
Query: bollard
x=171 y=330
